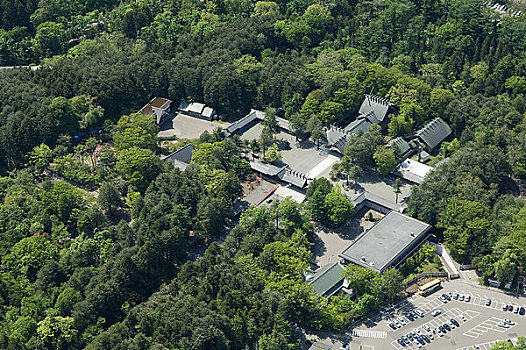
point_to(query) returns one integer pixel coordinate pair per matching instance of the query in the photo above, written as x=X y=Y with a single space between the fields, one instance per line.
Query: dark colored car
x=447 y=297
x=455 y=322
x=420 y=340
x=510 y=307
x=410 y=317
x=442 y=329
x=400 y=341
x=522 y=311
x=410 y=337
x=392 y=325
x=446 y=326
x=426 y=338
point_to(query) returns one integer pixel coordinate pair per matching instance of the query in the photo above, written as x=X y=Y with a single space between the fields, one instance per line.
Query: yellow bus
x=429 y=288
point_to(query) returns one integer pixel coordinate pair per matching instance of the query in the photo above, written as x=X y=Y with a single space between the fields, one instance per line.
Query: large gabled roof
x=434 y=132
x=379 y=106
x=181 y=158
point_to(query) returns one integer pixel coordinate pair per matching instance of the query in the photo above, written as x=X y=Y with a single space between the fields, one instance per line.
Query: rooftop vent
x=371 y=263
x=412 y=234
x=363 y=258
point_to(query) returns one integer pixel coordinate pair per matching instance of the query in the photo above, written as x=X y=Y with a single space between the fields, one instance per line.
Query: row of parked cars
x=420 y=338
x=411 y=316
x=514 y=308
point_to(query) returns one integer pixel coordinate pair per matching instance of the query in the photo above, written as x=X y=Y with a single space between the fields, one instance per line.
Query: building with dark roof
x=402 y=145
x=158 y=107
x=328 y=280
x=197 y=109
x=180 y=158
x=255 y=116
x=431 y=134
x=373 y=110
x=388 y=243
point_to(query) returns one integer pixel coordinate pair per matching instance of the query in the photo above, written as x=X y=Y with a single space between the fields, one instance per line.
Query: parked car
x=397 y=324
x=510 y=307
x=442 y=299
x=401 y=320
x=455 y=322
x=419 y=313
x=420 y=340
x=468 y=298
x=461 y=297
x=442 y=329
x=426 y=339
x=515 y=309
x=410 y=336
x=410 y=317
x=510 y=322
x=503 y=325
x=446 y=326
x=463 y=319
x=455 y=296
x=452 y=325
x=401 y=341
x=426 y=327
x=447 y=297
x=392 y=325
x=436 y=312
x=430 y=336
x=522 y=311
x=488 y=302
x=505 y=307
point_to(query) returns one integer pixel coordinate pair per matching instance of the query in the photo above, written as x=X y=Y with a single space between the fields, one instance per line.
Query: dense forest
x=106 y=259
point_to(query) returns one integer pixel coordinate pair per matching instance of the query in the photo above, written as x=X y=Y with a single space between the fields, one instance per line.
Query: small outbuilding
x=197 y=109
x=158 y=107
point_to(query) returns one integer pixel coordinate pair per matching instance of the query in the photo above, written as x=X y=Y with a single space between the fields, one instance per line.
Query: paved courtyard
x=331 y=242
x=186 y=127
x=479 y=324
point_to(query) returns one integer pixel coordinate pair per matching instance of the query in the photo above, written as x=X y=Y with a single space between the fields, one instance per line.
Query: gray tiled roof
x=293 y=177
x=434 y=132
x=378 y=105
x=180 y=158
x=266 y=168
x=360 y=124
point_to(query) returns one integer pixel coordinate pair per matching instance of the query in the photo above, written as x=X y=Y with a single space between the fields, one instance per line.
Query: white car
x=430 y=336
x=503 y=325
x=436 y=312
x=427 y=328
x=468 y=298
x=440 y=334
x=401 y=320
x=463 y=319
x=510 y=322
x=397 y=324
x=461 y=297
x=452 y=325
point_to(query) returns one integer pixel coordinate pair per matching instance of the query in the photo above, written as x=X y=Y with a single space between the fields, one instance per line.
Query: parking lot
x=479 y=325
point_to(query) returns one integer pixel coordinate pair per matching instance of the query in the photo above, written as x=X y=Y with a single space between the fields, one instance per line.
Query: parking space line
x=367 y=333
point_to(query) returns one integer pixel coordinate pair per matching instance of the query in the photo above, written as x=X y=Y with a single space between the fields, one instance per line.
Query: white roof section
x=412 y=170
